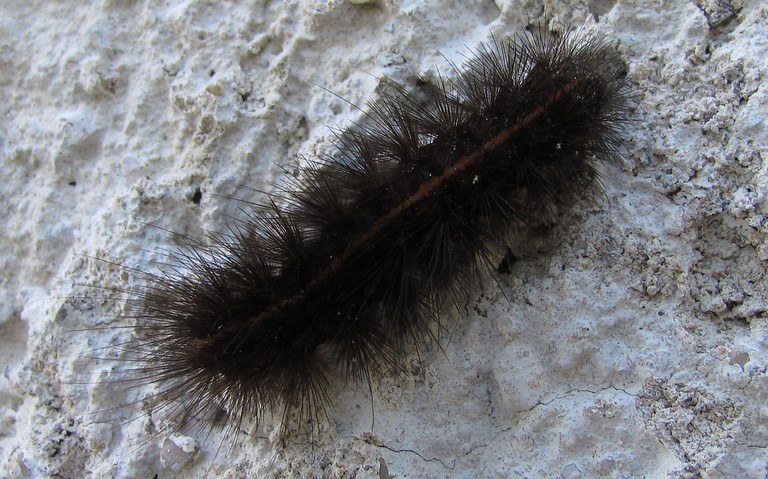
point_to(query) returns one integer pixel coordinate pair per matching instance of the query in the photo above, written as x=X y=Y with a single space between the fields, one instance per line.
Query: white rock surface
x=629 y=343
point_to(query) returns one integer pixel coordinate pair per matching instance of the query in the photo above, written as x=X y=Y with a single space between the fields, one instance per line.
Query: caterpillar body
x=341 y=271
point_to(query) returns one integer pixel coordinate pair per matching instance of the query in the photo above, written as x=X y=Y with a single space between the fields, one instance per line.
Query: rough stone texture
x=630 y=341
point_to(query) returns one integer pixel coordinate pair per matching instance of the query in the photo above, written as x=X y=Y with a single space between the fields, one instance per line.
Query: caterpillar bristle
x=341 y=271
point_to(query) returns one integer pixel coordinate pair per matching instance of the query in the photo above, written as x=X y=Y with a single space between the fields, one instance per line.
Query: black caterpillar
x=340 y=272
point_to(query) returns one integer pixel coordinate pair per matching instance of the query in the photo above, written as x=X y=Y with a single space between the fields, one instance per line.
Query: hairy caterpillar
x=342 y=270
